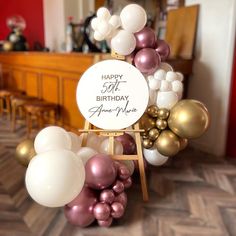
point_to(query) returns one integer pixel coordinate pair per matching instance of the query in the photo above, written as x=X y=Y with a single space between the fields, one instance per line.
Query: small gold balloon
x=146 y=122
x=7 y=46
x=25 y=151
x=144 y=134
x=153 y=134
x=168 y=143
x=183 y=143
x=147 y=143
x=163 y=113
x=189 y=119
x=152 y=111
x=161 y=124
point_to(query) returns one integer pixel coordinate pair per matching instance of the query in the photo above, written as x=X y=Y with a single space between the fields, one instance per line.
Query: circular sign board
x=112 y=94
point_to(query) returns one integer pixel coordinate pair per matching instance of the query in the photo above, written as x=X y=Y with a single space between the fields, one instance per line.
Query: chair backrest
x=181 y=31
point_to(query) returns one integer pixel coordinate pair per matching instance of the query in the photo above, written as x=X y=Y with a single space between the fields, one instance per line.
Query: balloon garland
x=86 y=181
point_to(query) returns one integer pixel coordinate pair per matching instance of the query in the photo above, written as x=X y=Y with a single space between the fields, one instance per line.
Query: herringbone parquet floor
x=194 y=194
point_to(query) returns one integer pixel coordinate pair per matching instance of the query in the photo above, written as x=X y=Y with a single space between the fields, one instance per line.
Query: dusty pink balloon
x=107 y=196
x=105 y=223
x=128 y=143
x=80 y=211
x=163 y=49
x=127 y=183
x=100 y=171
x=101 y=211
x=121 y=198
x=145 y=38
x=118 y=186
x=123 y=172
x=147 y=60
x=117 y=210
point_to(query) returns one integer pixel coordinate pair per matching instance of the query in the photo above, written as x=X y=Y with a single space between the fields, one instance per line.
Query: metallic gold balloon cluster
x=169 y=131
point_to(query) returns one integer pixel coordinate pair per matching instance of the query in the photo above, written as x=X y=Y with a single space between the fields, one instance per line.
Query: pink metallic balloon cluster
x=149 y=51
x=103 y=197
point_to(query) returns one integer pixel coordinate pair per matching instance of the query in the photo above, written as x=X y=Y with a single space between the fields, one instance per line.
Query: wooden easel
x=138 y=157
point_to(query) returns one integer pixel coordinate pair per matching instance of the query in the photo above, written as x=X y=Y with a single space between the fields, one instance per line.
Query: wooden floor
x=194 y=194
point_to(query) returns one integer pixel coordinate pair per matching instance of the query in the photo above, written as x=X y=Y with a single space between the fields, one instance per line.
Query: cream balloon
x=153 y=157
x=166 y=99
x=115 y=21
x=51 y=138
x=133 y=18
x=160 y=74
x=55 y=178
x=123 y=42
x=93 y=141
x=104 y=147
x=85 y=153
x=166 y=67
x=103 y=13
x=76 y=142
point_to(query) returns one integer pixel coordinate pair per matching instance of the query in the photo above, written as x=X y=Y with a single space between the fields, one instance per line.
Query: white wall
x=211 y=78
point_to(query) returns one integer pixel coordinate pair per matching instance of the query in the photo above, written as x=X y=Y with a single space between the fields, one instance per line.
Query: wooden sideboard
x=54 y=77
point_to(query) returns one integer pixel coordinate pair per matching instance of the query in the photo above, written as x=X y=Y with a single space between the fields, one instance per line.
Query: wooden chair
x=41 y=112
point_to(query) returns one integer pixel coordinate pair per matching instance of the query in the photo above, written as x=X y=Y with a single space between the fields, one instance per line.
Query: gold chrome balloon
x=25 y=151
x=163 y=113
x=7 y=46
x=161 y=124
x=152 y=111
x=168 y=143
x=147 y=143
x=153 y=134
x=189 y=119
x=183 y=143
x=146 y=122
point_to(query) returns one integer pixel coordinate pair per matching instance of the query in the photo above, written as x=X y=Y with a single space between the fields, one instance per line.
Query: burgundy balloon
x=121 y=198
x=107 y=196
x=163 y=49
x=100 y=171
x=147 y=60
x=118 y=186
x=123 y=172
x=117 y=210
x=101 y=211
x=80 y=211
x=145 y=38
x=128 y=143
x=105 y=223
x=127 y=183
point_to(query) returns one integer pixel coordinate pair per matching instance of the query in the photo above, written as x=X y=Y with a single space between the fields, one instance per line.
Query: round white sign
x=112 y=94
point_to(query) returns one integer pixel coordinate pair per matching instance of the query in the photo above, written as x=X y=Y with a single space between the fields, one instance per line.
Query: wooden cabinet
x=54 y=77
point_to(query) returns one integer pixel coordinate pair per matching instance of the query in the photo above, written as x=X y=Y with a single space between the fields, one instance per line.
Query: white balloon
x=55 y=178
x=153 y=157
x=98 y=36
x=154 y=84
x=180 y=76
x=76 y=142
x=166 y=99
x=85 y=153
x=104 y=28
x=177 y=86
x=13 y=38
x=51 y=138
x=160 y=74
x=104 y=147
x=93 y=141
x=133 y=18
x=94 y=23
x=103 y=13
x=152 y=97
x=171 y=76
x=115 y=21
x=166 y=67
x=165 y=86
x=150 y=77
x=129 y=164
x=111 y=34
x=123 y=42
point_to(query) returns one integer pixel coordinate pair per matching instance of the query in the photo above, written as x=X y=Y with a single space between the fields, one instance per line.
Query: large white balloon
x=166 y=99
x=104 y=147
x=123 y=42
x=153 y=157
x=51 y=138
x=85 y=153
x=55 y=178
x=133 y=18
x=76 y=142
